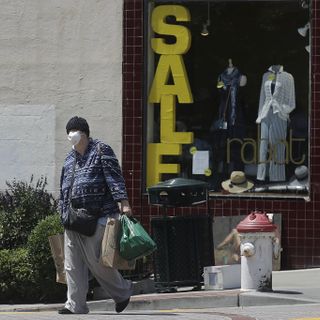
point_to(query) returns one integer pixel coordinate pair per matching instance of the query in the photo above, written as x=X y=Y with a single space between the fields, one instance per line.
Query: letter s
x=159 y=25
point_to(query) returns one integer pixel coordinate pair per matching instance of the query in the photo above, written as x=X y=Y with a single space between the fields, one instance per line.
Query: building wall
x=300 y=219
x=57 y=59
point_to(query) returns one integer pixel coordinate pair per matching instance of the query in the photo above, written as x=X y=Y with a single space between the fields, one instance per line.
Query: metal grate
x=185 y=246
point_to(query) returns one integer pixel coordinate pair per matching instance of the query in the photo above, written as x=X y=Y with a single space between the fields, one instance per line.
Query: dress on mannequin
x=277 y=100
x=231 y=110
x=229 y=82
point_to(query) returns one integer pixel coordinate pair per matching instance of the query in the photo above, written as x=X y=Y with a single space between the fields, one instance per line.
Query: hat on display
x=301 y=176
x=78 y=123
x=237 y=183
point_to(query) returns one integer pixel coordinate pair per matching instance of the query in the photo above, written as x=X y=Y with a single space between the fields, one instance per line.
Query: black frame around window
x=300 y=78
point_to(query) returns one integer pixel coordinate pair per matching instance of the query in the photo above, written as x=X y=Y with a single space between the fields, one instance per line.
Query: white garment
x=282 y=99
x=273 y=134
x=81 y=255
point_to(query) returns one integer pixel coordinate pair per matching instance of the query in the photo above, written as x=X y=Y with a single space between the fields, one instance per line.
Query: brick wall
x=300 y=219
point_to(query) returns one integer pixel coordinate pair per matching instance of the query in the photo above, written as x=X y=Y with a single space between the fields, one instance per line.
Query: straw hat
x=237 y=183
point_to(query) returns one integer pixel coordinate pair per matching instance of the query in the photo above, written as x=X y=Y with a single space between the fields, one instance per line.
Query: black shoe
x=120 y=306
x=64 y=311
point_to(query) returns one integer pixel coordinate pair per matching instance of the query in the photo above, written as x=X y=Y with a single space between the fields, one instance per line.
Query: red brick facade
x=300 y=219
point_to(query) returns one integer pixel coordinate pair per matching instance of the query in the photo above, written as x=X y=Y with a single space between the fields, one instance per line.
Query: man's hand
x=125 y=208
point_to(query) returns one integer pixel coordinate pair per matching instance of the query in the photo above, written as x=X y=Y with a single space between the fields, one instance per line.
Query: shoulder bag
x=79 y=220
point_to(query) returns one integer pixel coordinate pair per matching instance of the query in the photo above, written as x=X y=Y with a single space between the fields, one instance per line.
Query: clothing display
x=277 y=100
x=228 y=84
x=268 y=157
x=231 y=114
x=299 y=182
x=237 y=183
x=301 y=176
x=282 y=98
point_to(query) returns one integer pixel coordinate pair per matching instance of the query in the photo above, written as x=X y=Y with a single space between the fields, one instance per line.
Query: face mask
x=74 y=137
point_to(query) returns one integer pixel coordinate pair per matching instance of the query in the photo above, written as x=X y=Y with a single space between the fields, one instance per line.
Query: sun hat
x=237 y=183
x=301 y=176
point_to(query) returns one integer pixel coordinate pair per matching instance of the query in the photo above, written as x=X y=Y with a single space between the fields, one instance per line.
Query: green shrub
x=21 y=207
x=16 y=277
x=41 y=259
x=28 y=274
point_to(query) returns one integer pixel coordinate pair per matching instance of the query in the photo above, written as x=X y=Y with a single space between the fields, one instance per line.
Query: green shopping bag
x=135 y=242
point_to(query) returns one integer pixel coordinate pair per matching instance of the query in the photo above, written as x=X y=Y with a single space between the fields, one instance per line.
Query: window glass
x=227 y=99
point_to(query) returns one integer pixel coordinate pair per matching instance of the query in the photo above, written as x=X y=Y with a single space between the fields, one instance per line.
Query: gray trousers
x=273 y=135
x=81 y=255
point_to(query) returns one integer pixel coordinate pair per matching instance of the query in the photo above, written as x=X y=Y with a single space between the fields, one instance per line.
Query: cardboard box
x=222 y=277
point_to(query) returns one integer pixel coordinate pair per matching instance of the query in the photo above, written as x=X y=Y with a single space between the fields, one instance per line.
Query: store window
x=227 y=95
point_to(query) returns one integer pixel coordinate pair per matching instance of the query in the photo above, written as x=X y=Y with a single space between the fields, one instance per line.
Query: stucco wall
x=63 y=56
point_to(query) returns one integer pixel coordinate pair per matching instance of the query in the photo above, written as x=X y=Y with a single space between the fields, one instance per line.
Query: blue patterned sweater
x=98 y=181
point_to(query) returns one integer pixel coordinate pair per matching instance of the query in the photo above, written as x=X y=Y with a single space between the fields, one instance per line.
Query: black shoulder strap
x=72 y=177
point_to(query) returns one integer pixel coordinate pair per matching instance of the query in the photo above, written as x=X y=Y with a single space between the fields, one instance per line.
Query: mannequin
x=243 y=78
x=275 y=68
x=230 y=66
x=231 y=110
x=277 y=100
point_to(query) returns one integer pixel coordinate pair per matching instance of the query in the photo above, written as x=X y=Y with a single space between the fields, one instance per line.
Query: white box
x=222 y=277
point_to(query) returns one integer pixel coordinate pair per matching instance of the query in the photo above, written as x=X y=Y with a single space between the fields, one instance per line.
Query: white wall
x=63 y=57
x=27 y=142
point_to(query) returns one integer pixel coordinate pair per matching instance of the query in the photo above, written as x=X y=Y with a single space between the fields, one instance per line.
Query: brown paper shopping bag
x=110 y=247
x=57 y=250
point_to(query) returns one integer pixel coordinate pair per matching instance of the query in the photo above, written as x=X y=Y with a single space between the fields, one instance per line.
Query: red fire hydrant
x=257 y=236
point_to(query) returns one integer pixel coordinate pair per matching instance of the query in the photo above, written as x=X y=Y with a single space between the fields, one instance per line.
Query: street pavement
x=296 y=295
x=287 y=312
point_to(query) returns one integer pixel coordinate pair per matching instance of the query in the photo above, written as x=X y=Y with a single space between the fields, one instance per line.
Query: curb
x=247 y=299
x=203 y=299
x=166 y=301
x=30 y=308
x=180 y=300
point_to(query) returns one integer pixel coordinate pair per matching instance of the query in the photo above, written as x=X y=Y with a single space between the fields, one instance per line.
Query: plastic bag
x=135 y=242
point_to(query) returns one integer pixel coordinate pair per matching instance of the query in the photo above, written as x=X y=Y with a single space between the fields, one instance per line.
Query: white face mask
x=74 y=137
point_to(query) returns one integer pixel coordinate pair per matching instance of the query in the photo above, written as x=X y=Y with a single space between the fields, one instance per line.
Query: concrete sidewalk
x=289 y=287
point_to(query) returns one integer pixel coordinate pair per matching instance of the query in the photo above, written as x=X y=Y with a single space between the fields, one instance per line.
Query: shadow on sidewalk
x=287 y=292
